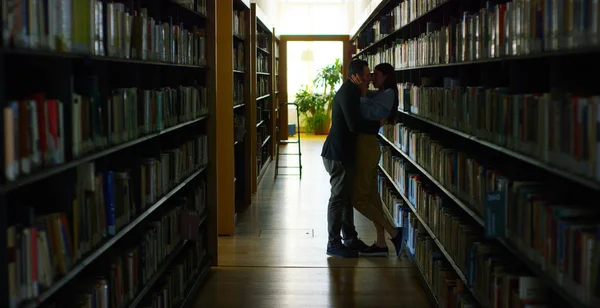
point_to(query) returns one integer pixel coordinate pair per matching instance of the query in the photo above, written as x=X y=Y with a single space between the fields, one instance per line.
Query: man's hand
x=362 y=84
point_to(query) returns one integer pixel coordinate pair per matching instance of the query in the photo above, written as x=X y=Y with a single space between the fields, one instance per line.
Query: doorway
x=305 y=59
x=302 y=57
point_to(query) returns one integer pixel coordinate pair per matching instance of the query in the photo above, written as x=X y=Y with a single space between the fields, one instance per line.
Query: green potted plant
x=316 y=107
x=328 y=77
x=313 y=107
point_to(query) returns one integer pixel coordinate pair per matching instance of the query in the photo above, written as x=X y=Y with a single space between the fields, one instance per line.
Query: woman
x=381 y=105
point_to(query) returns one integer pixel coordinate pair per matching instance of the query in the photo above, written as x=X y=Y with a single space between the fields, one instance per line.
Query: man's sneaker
x=341 y=251
x=398 y=242
x=375 y=251
x=357 y=245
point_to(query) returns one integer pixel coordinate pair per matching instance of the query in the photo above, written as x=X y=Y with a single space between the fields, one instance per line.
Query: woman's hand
x=362 y=84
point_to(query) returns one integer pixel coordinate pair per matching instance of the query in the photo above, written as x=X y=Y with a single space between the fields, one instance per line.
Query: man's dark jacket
x=346 y=122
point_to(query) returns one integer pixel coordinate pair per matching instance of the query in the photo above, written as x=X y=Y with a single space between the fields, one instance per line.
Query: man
x=338 y=158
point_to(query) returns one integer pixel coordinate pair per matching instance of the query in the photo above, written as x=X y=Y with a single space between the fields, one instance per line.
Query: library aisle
x=277 y=257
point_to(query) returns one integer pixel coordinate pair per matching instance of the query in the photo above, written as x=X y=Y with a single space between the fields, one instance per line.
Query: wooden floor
x=277 y=257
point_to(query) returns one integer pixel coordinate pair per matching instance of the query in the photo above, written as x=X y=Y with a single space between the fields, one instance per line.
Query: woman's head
x=384 y=76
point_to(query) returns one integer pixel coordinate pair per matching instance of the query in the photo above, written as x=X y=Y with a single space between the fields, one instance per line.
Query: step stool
x=286 y=142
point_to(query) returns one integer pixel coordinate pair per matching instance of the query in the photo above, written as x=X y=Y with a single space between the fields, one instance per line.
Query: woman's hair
x=389 y=83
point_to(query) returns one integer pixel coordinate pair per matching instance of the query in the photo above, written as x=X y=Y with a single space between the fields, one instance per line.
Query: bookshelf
x=108 y=154
x=276 y=86
x=494 y=161
x=242 y=104
x=263 y=85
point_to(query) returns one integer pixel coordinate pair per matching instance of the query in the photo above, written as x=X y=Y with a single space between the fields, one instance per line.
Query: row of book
x=509 y=29
x=102 y=28
x=505 y=290
x=238 y=56
x=35 y=129
x=394 y=204
x=557 y=127
x=45 y=248
x=194 y=5
x=239 y=23
x=106 y=202
x=463 y=175
x=262 y=63
x=263 y=110
x=558 y=235
x=444 y=283
x=446 y=227
x=485 y=265
x=177 y=283
x=262 y=85
x=399 y=16
x=262 y=133
x=263 y=38
x=238 y=90
x=239 y=127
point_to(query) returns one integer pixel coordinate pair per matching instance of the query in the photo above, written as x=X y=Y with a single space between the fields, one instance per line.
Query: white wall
x=268 y=7
x=359 y=9
x=314 y=16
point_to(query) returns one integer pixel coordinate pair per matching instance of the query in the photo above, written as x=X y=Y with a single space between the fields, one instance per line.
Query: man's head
x=360 y=68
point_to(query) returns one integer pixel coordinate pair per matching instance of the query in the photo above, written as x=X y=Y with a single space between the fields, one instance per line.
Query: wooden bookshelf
x=276 y=87
x=262 y=86
x=537 y=166
x=117 y=144
x=243 y=64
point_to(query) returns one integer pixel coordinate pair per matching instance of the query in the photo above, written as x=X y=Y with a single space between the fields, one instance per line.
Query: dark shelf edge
x=239 y=37
x=266 y=140
x=571 y=176
x=77 y=56
x=238 y=106
x=263 y=97
x=532 y=56
x=263 y=73
x=263 y=50
x=165 y=264
x=239 y=71
x=260 y=123
x=46 y=173
x=191 y=296
x=263 y=169
x=456 y=200
x=104 y=247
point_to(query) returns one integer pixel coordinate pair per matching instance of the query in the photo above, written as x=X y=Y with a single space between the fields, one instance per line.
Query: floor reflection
x=272 y=261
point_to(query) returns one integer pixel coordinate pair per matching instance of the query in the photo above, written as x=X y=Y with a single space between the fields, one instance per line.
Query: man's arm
x=350 y=107
x=378 y=107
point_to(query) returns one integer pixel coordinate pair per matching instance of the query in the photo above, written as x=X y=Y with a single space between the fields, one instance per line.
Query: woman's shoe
x=398 y=242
